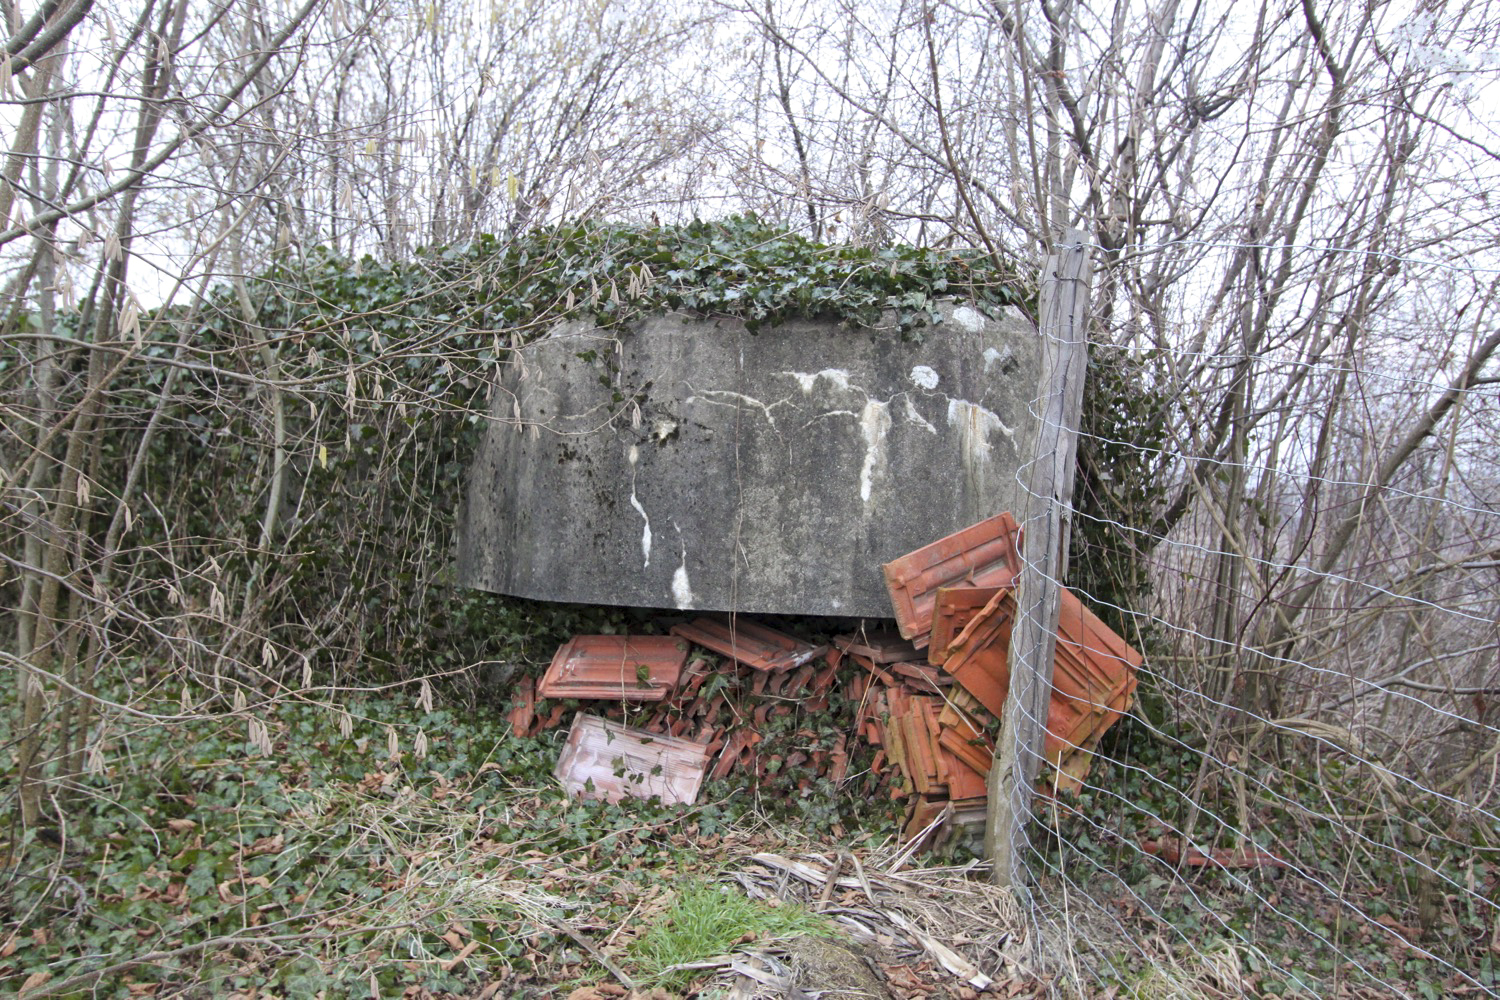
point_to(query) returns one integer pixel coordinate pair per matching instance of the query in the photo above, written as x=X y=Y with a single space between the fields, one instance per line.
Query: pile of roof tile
x=925 y=698
x=690 y=719
x=955 y=598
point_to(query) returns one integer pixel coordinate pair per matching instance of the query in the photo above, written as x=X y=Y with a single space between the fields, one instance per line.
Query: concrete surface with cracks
x=773 y=471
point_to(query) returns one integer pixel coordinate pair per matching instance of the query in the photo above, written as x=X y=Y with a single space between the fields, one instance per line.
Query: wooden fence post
x=1049 y=495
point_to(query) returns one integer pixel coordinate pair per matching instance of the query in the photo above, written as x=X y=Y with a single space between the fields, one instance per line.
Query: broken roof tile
x=953 y=609
x=736 y=747
x=977 y=659
x=879 y=647
x=1094 y=676
x=982 y=555
x=964 y=782
x=975 y=753
x=881 y=675
x=1171 y=850
x=522 y=715
x=615 y=667
x=751 y=643
x=923 y=816
x=923 y=677
x=606 y=760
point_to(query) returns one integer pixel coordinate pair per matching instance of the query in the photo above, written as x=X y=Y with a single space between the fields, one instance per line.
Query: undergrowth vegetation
x=345 y=860
x=706 y=921
x=1403 y=918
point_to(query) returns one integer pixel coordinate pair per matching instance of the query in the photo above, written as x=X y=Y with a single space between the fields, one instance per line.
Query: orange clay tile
x=1094 y=676
x=976 y=754
x=879 y=647
x=953 y=609
x=920 y=767
x=922 y=676
x=606 y=760
x=963 y=782
x=922 y=813
x=881 y=675
x=553 y=717
x=748 y=642
x=966 y=703
x=522 y=716
x=977 y=659
x=1068 y=773
x=824 y=680
x=736 y=746
x=615 y=667
x=1170 y=850
x=855 y=692
x=982 y=555
x=1093 y=683
x=1095 y=672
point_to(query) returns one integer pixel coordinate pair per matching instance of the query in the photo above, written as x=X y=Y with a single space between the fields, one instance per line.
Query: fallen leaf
x=267 y=845
x=181 y=825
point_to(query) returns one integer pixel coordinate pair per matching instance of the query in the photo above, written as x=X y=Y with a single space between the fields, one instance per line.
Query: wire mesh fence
x=1302 y=799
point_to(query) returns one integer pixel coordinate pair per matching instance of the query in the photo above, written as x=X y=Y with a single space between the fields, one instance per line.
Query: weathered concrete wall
x=688 y=463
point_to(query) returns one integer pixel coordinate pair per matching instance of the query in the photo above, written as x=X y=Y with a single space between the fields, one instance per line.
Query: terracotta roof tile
x=977 y=659
x=1094 y=676
x=981 y=555
x=615 y=668
x=963 y=782
x=953 y=609
x=522 y=716
x=749 y=642
x=880 y=647
x=606 y=760
x=975 y=753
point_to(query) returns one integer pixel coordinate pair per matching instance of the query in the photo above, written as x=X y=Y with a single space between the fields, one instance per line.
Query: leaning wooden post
x=1048 y=481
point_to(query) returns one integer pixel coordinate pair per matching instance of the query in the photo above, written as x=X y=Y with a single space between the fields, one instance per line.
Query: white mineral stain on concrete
x=737 y=397
x=645 y=531
x=924 y=377
x=993 y=357
x=682 y=590
x=970 y=319
x=975 y=425
x=912 y=416
x=874 y=425
x=837 y=376
x=825 y=415
x=634 y=455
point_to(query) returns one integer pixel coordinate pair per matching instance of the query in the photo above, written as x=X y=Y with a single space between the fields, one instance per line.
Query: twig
x=594 y=952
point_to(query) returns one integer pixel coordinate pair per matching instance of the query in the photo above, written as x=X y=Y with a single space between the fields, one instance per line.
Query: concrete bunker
x=691 y=463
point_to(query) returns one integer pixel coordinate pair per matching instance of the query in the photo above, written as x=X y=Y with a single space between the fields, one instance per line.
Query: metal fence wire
x=1302 y=798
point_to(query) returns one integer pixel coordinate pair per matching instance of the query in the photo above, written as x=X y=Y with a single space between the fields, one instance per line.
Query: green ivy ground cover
x=349 y=859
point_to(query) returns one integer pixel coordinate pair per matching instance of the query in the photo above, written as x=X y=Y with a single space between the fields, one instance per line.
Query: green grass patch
x=709 y=920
